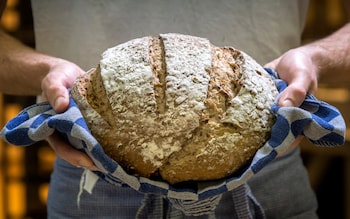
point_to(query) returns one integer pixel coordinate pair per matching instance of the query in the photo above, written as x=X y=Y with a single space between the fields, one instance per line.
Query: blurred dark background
x=25 y=171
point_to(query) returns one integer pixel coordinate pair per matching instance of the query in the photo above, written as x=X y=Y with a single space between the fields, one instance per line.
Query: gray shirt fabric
x=81 y=30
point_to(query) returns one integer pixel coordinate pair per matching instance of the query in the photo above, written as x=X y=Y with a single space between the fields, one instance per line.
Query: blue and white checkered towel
x=318 y=121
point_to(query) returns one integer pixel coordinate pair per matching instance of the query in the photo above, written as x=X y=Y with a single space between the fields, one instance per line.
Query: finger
x=293 y=95
x=70 y=154
x=55 y=93
x=61 y=102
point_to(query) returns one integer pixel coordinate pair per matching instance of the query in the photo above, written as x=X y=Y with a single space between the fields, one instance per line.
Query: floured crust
x=177 y=106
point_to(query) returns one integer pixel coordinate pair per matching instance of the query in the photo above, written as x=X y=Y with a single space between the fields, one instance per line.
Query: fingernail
x=287 y=103
x=58 y=102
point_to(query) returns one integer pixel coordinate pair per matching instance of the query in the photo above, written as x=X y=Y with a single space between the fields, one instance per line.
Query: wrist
x=332 y=54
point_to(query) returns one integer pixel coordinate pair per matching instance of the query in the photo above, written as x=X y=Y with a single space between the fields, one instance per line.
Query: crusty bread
x=177 y=107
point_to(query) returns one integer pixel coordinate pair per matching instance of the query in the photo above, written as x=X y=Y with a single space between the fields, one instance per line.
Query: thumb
x=57 y=97
x=60 y=103
x=292 y=96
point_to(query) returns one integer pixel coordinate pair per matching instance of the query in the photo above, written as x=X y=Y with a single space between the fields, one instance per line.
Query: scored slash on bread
x=177 y=107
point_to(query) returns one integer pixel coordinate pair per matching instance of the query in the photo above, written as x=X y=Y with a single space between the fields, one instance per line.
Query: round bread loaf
x=177 y=107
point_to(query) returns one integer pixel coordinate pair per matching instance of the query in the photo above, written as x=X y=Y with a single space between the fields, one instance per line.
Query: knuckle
x=299 y=90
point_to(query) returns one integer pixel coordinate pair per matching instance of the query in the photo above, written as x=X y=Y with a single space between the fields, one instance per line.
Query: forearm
x=21 y=68
x=331 y=55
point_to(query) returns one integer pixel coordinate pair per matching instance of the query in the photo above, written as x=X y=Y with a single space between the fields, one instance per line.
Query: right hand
x=54 y=89
x=298 y=70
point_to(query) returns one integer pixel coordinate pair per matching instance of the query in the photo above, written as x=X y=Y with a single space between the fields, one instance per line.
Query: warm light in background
x=335 y=95
x=12 y=199
x=43 y=192
x=15 y=199
x=11 y=18
x=14 y=172
x=334 y=17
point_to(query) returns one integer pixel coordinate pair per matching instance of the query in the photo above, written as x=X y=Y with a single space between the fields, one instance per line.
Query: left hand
x=297 y=69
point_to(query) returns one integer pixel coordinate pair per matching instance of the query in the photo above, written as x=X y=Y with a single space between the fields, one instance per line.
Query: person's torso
x=81 y=30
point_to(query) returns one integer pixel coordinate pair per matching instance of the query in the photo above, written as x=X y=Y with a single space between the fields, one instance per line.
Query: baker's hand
x=54 y=85
x=297 y=69
x=54 y=89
